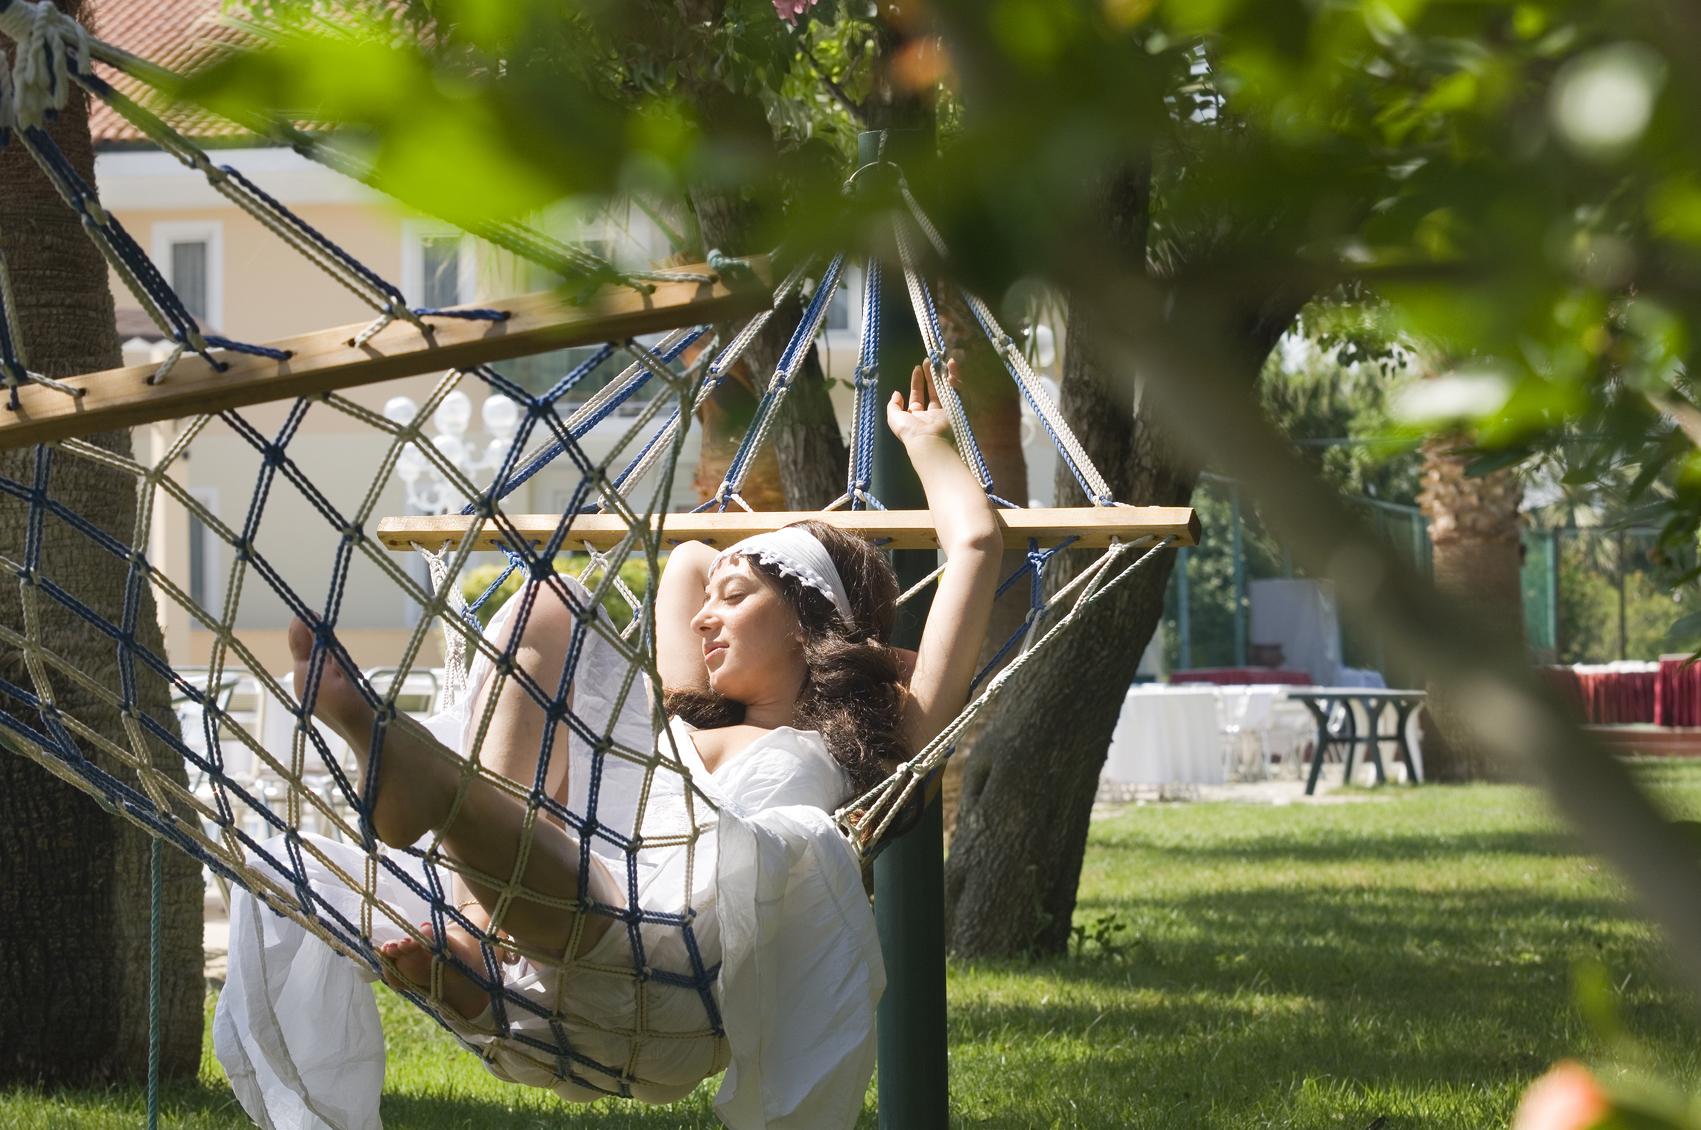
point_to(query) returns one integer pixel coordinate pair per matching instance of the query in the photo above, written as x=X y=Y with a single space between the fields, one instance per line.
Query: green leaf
x=1495 y=461
x=1458 y=91
x=1597 y=1001
x=1685 y=632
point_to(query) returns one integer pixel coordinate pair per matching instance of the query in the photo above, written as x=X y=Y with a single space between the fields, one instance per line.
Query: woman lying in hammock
x=671 y=903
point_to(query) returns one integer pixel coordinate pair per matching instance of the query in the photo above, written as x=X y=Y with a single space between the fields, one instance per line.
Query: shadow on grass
x=1239 y=993
x=441 y=1110
x=193 y=1103
x=204 y=1106
x=1330 y=845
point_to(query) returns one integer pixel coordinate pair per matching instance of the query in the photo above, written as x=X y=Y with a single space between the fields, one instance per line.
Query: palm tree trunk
x=74 y=881
x=1474 y=526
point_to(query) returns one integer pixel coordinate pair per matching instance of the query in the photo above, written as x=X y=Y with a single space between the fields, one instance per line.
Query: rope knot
x=51 y=46
x=729 y=267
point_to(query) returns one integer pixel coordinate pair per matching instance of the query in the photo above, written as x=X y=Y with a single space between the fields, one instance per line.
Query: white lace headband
x=796 y=553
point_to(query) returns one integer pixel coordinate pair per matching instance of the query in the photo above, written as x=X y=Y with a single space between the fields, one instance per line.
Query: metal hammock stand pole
x=909 y=876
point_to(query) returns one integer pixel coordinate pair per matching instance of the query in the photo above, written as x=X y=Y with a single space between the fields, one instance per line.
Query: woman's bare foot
x=413 y=965
x=417 y=781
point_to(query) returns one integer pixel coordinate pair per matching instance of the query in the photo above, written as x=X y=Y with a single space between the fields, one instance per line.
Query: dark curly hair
x=853 y=692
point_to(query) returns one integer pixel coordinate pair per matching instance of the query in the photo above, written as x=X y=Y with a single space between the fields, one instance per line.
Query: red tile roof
x=176 y=34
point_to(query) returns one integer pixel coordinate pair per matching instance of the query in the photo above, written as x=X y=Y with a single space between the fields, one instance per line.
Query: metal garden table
x=1337 y=724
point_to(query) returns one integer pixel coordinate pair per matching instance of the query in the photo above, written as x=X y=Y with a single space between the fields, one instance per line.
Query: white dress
x=757 y=941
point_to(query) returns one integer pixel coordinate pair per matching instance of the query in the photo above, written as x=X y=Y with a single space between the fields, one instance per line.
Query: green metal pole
x=156 y=877
x=1183 y=614
x=1623 y=628
x=1553 y=591
x=1239 y=577
x=909 y=876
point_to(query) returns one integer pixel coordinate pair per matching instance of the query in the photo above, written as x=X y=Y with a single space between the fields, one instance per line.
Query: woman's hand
x=922 y=415
x=971 y=539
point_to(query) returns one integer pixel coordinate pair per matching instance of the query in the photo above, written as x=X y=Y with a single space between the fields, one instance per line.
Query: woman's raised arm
x=973 y=546
x=679 y=653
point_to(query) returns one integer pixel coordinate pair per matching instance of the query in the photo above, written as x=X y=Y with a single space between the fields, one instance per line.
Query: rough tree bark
x=1021 y=834
x=74 y=882
x=1474 y=527
x=726 y=415
x=994 y=406
x=803 y=466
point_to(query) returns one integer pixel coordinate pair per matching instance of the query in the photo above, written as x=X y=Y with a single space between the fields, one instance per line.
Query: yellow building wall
x=269 y=292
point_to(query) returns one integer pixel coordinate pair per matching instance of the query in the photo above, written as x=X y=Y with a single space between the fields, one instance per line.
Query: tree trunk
x=994 y=406
x=803 y=465
x=1474 y=526
x=1015 y=863
x=74 y=882
x=1028 y=791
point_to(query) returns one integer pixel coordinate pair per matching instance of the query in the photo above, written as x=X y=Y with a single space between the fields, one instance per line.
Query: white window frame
x=850 y=285
x=210 y=232
x=414 y=235
x=212 y=559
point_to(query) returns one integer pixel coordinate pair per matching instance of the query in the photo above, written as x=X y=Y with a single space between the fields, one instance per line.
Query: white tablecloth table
x=1166 y=736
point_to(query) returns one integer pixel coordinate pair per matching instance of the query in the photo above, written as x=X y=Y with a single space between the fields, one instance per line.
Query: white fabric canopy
x=1299 y=614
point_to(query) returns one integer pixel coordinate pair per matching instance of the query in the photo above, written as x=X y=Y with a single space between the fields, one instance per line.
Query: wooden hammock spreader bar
x=328 y=360
x=1095 y=526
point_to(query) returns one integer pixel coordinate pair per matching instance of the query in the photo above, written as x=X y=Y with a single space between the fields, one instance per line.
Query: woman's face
x=752 y=641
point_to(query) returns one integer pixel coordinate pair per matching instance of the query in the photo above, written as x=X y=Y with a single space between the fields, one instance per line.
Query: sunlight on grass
x=1408 y=958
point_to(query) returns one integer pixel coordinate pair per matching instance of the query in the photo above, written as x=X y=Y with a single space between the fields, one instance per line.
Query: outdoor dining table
x=1166 y=737
x=1337 y=724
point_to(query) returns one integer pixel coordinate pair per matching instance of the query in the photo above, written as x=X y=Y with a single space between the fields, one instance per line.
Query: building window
x=189 y=255
x=440 y=270
x=189 y=275
x=839 y=306
x=417 y=568
x=206 y=587
x=438 y=266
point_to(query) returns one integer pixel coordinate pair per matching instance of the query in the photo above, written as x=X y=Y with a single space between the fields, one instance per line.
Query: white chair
x=419 y=692
x=276 y=731
x=1243 y=737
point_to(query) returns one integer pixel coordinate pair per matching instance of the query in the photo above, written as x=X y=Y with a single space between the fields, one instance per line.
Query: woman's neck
x=770 y=715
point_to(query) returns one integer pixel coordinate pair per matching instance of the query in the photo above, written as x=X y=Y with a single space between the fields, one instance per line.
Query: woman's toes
x=300 y=639
x=412 y=961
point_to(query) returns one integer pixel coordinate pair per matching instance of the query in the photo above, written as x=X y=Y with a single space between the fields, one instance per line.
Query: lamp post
x=429 y=490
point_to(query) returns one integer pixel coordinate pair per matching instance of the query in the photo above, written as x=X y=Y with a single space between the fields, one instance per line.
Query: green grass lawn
x=1408 y=957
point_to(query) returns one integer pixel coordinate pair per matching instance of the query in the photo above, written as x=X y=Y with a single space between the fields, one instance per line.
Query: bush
x=635 y=571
